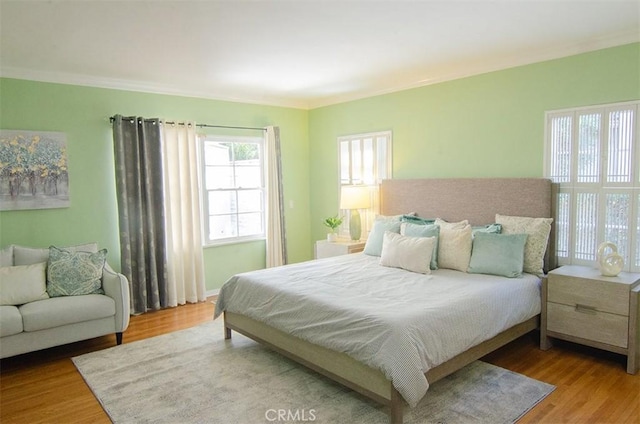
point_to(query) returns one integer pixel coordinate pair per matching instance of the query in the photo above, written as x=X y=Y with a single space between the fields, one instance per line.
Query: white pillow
x=538 y=230
x=6 y=256
x=451 y=225
x=23 y=284
x=410 y=253
x=454 y=248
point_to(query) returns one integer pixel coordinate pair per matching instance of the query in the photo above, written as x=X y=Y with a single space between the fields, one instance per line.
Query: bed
x=366 y=314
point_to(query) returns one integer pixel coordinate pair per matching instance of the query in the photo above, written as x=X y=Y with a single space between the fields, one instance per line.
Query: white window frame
x=207 y=241
x=567 y=232
x=377 y=174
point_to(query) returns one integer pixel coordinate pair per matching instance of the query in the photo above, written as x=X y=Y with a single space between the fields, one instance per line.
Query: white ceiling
x=302 y=54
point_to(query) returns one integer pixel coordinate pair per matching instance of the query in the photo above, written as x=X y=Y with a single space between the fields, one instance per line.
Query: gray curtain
x=138 y=164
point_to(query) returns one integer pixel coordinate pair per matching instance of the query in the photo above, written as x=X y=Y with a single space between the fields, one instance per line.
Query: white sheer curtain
x=185 y=265
x=276 y=240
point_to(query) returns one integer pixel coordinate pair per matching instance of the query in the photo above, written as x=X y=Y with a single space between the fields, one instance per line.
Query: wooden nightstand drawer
x=582 y=306
x=589 y=324
x=603 y=295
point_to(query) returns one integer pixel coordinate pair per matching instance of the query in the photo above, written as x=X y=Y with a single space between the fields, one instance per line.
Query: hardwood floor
x=592 y=385
x=45 y=387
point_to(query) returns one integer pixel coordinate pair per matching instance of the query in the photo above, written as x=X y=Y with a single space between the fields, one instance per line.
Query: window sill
x=234 y=241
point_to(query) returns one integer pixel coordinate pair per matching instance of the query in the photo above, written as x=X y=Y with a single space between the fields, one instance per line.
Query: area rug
x=195 y=376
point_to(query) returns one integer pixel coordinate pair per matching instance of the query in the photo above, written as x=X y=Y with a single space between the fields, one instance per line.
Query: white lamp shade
x=355 y=197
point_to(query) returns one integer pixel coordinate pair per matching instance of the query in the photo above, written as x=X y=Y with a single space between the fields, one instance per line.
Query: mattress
x=399 y=322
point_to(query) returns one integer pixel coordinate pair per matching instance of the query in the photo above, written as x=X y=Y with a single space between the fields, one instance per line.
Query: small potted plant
x=333 y=222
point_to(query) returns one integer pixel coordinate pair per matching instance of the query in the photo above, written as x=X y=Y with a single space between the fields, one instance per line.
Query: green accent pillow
x=373 y=246
x=489 y=228
x=497 y=254
x=74 y=273
x=417 y=230
x=417 y=220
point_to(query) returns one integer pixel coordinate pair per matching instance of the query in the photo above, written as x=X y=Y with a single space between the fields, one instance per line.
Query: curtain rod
x=112 y=118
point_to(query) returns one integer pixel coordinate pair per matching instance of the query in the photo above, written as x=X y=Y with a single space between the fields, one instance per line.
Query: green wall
x=481 y=126
x=82 y=113
x=489 y=125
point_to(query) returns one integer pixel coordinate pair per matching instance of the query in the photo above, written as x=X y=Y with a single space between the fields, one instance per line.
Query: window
x=233 y=189
x=592 y=153
x=365 y=159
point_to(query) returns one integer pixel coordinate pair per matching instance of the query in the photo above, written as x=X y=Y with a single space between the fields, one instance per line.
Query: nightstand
x=326 y=249
x=581 y=306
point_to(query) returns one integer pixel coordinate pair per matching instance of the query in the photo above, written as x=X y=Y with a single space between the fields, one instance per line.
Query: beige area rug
x=195 y=376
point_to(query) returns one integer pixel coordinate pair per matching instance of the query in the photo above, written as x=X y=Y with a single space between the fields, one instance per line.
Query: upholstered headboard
x=475 y=199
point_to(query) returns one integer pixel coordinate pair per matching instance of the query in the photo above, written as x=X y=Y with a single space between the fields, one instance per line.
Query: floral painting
x=33 y=170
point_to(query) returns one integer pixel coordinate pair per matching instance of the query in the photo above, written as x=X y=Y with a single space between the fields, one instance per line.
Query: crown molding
x=469 y=70
x=448 y=74
x=138 y=86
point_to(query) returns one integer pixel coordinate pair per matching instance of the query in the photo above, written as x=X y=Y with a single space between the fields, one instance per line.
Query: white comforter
x=397 y=321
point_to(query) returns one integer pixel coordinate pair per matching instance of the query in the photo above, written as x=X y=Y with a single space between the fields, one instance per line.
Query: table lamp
x=354 y=198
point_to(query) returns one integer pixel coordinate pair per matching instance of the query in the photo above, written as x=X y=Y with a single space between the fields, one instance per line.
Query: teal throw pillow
x=373 y=246
x=497 y=254
x=417 y=220
x=489 y=228
x=74 y=273
x=417 y=230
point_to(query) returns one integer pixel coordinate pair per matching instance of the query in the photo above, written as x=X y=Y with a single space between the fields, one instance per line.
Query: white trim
x=635 y=216
x=142 y=87
x=544 y=54
x=571 y=110
x=213 y=292
x=204 y=191
x=463 y=70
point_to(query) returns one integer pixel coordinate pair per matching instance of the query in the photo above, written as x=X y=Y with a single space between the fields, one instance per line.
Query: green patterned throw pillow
x=74 y=273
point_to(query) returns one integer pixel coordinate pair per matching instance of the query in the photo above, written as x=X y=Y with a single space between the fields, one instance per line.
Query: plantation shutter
x=592 y=154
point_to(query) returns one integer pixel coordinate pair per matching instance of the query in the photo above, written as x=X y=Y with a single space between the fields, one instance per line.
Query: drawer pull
x=586 y=309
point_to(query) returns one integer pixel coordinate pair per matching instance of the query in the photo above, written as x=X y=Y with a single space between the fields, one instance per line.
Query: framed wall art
x=33 y=170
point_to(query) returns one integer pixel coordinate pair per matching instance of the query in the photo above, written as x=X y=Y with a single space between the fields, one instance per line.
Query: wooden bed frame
x=475 y=199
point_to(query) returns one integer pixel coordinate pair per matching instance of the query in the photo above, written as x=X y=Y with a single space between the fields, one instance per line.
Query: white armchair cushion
x=23 y=284
x=29 y=255
x=59 y=311
x=6 y=256
x=10 y=321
